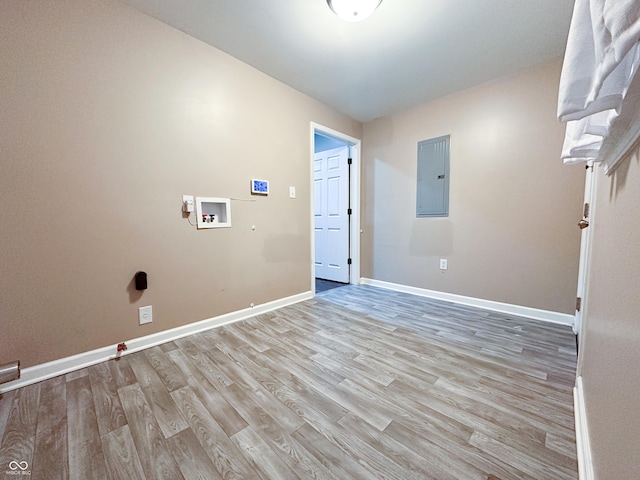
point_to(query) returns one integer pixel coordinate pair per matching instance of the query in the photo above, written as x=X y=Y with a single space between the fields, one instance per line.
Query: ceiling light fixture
x=353 y=10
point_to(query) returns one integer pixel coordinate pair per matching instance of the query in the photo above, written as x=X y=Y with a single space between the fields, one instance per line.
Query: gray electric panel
x=433 y=178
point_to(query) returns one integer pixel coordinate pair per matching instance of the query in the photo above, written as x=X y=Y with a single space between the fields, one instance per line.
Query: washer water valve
x=122 y=347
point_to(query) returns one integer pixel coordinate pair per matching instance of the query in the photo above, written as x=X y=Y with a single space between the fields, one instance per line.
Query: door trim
x=354 y=193
x=586 y=243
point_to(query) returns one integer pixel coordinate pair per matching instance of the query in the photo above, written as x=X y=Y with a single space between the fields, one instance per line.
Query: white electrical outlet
x=292 y=192
x=145 y=315
x=187 y=203
x=443 y=264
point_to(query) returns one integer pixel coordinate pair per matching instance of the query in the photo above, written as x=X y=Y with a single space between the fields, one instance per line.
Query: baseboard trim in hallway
x=65 y=365
x=528 y=312
x=585 y=463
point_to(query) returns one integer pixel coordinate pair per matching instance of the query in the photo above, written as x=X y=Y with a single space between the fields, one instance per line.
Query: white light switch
x=145 y=315
x=443 y=264
x=292 y=192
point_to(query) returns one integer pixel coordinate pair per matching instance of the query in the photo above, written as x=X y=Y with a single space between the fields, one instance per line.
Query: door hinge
x=349 y=211
x=348 y=261
x=578 y=304
x=586 y=211
x=349 y=161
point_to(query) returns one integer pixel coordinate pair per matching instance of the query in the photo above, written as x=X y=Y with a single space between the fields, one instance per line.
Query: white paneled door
x=331 y=202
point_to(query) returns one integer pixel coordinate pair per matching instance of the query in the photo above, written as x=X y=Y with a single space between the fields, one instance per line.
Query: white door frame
x=591 y=184
x=354 y=192
x=585 y=243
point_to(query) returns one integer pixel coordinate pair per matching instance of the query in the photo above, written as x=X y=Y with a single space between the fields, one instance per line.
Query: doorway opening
x=326 y=285
x=335 y=209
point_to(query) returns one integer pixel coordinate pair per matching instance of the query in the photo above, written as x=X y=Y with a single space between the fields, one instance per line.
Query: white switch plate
x=145 y=315
x=443 y=264
x=292 y=192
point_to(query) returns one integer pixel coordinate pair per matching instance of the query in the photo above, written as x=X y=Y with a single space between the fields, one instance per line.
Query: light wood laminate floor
x=359 y=383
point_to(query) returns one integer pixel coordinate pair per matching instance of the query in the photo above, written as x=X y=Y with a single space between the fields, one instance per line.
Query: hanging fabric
x=601 y=60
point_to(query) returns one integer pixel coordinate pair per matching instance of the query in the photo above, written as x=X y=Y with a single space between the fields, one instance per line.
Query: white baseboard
x=585 y=463
x=533 y=313
x=65 y=365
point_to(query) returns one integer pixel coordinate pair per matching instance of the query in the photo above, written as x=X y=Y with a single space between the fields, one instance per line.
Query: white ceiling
x=408 y=52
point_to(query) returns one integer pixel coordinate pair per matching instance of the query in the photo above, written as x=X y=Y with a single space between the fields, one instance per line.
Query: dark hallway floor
x=324 y=285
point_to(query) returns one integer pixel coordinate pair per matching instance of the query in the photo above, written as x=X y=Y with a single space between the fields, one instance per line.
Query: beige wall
x=108 y=117
x=511 y=233
x=610 y=343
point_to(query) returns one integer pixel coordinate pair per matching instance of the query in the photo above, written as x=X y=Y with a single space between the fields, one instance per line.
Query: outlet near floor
x=443 y=264
x=145 y=315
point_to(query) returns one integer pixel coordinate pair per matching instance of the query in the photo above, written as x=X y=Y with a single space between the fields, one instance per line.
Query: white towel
x=601 y=59
x=579 y=61
x=619 y=34
x=584 y=137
